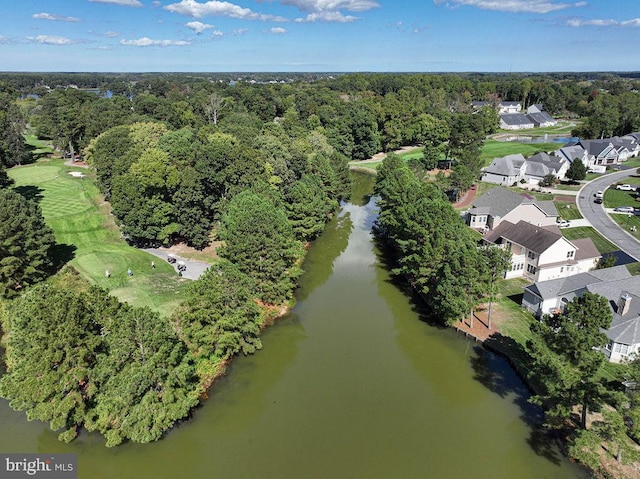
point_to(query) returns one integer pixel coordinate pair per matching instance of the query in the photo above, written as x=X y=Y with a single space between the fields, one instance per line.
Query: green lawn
x=614 y=198
x=568 y=210
x=82 y=222
x=628 y=223
x=602 y=244
x=494 y=149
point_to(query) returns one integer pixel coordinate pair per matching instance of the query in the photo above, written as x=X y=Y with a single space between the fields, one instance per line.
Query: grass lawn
x=627 y=222
x=614 y=198
x=90 y=239
x=602 y=244
x=494 y=149
x=568 y=210
x=36 y=147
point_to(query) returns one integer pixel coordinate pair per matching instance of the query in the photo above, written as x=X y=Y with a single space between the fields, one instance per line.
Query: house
x=501 y=106
x=512 y=169
x=573 y=152
x=626 y=147
x=515 y=121
x=616 y=284
x=542 y=164
x=542 y=119
x=601 y=152
x=542 y=253
x=500 y=204
x=506 y=170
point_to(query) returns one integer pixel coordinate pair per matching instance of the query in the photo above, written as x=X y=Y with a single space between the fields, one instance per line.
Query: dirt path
x=380 y=156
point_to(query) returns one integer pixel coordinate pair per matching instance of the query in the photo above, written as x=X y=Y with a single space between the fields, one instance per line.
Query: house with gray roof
x=511 y=169
x=515 y=121
x=542 y=164
x=569 y=153
x=501 y=106
x=616 y=284
x=542 y=253
x=542 y=119
x=601 y=152
x=500 y=204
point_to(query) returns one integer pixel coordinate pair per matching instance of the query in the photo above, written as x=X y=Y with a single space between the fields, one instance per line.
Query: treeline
x=436 y=252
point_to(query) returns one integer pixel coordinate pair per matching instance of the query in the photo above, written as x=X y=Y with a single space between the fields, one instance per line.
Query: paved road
x=194 y=268
x=598 y=217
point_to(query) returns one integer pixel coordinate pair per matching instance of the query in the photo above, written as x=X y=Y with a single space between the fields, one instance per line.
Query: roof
x=506 y=166
x=497 y=202
x=548 y=207
x=538 y=169
x=626 y=329
x=586 y=249
x=570 y=153
x=532 y=237
x=542 y=117
x=572 y=284
x=515 y=119
x=595 y=147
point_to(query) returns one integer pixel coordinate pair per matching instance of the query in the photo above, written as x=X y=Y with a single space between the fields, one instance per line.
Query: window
x=624 y=349
x=531 y=255
x=562 y=269
x=570 y=254
x=531 y=269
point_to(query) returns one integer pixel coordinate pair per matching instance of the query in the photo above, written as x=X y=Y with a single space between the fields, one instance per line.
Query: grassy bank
x=89 y=238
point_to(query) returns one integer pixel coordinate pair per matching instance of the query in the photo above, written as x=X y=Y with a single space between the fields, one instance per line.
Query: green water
x=351 y=384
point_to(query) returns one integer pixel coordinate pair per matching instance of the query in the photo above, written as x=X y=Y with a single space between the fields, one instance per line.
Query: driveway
x=194 y=268
x=598 y=217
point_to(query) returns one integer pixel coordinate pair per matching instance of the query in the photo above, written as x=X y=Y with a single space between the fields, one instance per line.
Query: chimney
x=623 y=304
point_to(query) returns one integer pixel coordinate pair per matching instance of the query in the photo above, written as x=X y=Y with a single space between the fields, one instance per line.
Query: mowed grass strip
x=602 y=244
x=74 y=209
x=497 y=149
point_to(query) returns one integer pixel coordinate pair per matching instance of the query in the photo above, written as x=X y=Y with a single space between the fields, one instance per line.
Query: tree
x=497 y=262
x=565 y=356
x=307 y=207
x=259 y=240
x=548 y=180
x=25 y=243
x=577 y=171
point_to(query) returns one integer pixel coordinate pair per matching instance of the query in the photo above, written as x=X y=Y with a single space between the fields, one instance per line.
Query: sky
x=320 y=35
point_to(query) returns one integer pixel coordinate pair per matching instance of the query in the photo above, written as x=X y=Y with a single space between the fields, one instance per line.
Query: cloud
x=148 y=42
x=59 y=18
x=278 y=30
x=216 y=33
x=514 y=6
x=239 y=31
x=126 y=3
x=329 y=10
x=111 y=34
x=198 y=27
x=51 y=40
x=216 y=8
x=634 y=22
x=335 y=17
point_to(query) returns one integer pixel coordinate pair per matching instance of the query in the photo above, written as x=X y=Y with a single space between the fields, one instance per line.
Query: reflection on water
x=351 y=384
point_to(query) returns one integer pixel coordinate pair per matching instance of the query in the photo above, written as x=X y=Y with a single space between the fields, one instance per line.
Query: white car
x=599 y=194
x=625 y=188
x=563 y=224
x=624 y=209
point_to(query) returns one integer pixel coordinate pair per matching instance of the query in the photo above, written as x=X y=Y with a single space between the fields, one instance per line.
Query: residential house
x=626 y=147
x=542 y=253
x=501 y=107
x=540 y=117
x=500 y=204
x=601 y=152
x=512 y=169
x=573 y=152
x=515 y=121
x=616 y=284
x=506 y=170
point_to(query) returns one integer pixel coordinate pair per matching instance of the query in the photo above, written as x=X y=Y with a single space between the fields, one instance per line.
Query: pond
x=353 y=383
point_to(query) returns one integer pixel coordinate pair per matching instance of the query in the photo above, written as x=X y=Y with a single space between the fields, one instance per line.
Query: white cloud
x=635 y=22
x=278 y=30
x=216 y=8
x=148 y=42
x=59 y=18
x=111 y=34
x=514 y=6
x=126 y=3
x=336 y=17
x=51 y=40
x=331 y=5
x=329 y=10
x=216 y=33
x=239 y=31
x=198 y=27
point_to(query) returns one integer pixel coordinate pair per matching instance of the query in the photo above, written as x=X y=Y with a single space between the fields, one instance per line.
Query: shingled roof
x=532 y=237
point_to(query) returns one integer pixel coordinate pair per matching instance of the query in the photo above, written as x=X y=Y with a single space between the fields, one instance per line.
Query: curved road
x=600 y=220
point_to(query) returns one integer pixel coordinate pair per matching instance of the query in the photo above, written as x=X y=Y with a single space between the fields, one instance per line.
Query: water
x=351 y=384
x=537 y=139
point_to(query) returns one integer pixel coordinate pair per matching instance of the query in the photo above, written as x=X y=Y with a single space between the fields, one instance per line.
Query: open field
x=495 y=149
x=88 y=236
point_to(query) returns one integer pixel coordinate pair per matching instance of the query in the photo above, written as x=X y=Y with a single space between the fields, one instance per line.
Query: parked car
x=598 y=194
x=598 y=200
x=624 y=209
x=563 y=224
x=625 y=188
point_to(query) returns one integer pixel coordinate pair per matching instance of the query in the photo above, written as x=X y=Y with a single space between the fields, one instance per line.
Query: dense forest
x=258 y=162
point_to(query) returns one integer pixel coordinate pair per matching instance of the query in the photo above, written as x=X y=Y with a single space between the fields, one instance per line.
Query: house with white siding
x=616 y=284
x=500 y=204
x=542 y=253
